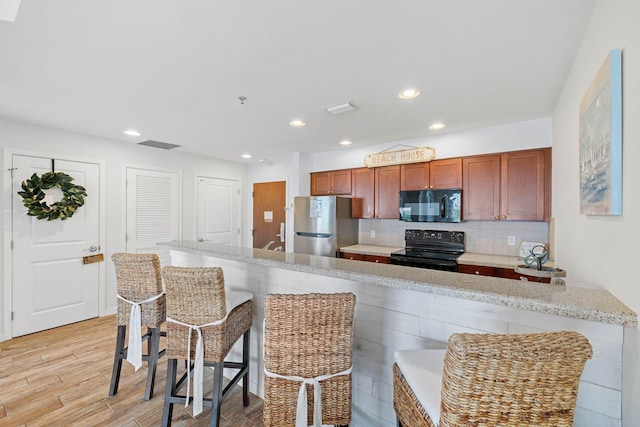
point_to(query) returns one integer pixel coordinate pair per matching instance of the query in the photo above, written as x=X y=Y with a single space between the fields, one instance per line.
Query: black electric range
x=434 y=249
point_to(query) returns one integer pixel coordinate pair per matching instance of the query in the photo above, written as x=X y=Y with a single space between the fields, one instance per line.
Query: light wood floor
x=60 y=377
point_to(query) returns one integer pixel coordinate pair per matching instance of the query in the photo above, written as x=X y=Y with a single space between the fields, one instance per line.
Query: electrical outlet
x=511 y=240
x=373 y=234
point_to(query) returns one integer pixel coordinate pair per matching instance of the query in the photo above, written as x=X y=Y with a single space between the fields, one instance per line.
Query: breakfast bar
x=410 y=308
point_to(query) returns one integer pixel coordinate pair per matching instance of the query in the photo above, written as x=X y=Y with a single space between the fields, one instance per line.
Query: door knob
x=92 y=248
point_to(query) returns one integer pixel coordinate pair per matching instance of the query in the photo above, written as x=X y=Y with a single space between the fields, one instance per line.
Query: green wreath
x=33 y=196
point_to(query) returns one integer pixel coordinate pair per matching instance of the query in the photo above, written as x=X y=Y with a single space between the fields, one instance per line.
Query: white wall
x=491 y=139
x=115 y=154
x=600 y=251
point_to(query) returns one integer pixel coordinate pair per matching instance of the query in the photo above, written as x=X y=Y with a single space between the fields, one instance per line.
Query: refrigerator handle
x=320 y=235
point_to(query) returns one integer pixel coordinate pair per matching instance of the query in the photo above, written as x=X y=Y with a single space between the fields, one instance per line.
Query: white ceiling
x=174 y=69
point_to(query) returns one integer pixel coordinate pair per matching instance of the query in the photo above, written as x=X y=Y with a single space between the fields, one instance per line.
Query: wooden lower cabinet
x=350 y=255
x=505 y=273
x=380 y=259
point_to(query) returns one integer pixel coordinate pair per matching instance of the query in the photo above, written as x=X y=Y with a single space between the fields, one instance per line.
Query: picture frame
x=601 y=140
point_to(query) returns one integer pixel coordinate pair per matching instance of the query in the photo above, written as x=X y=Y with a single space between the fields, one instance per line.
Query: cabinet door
x=349 y=255
x=522 y=193
x=363 y=189
x=479 y=270
x=387 y=188
x=380 y=259
x=414 y=176
x=481 y=188
x=446 y=173
x=320 y=183
x=341 y=182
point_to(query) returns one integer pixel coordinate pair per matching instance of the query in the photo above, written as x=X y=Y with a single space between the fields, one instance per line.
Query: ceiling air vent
x=345 y=107
x=158 y=144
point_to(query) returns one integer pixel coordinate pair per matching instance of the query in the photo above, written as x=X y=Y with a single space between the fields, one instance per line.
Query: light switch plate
x=511 y=240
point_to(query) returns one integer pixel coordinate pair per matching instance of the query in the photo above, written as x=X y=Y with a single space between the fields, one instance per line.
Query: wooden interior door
x=269 y=203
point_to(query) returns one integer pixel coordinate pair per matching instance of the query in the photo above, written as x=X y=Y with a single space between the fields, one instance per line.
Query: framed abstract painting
x=601 y=141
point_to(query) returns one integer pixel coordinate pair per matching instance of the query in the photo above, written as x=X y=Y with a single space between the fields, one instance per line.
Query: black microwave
x=431 y=205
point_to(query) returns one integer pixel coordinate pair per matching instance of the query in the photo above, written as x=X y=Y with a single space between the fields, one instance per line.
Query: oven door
x=431 y=263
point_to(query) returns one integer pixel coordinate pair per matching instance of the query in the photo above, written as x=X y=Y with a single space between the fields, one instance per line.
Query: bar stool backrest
x=512 y=379
x=138 y=279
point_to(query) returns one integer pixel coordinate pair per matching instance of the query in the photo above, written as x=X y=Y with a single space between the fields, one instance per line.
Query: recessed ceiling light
x=345 y=142
x=436 y=126
x=297 y=123
x=246 y=156
x=409 y=93
x=131 y=132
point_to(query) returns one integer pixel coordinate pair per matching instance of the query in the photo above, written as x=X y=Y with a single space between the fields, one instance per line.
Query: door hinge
x=12 y=245
x=12 y=315
x=238 y=231
x=126 y=237
x=11 y=171
x=238 y=191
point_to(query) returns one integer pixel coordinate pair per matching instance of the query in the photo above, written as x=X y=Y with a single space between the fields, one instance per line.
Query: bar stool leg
x=153 y=348
x=246 y=343
x=170 y=391
x=117 y=360
x=216 y=399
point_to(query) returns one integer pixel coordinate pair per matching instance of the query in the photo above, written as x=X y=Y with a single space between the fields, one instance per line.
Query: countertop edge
x=526 y=303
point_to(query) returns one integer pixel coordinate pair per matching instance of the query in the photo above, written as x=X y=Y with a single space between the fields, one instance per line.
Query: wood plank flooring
x=60 y=377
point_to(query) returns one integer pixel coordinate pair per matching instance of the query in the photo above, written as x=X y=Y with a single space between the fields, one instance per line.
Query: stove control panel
x=426 y=236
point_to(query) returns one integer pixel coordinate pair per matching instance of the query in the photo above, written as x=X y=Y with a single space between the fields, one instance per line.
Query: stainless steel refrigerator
x=322 y=225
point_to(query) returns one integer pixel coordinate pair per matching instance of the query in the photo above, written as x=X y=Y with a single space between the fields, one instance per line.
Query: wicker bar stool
x=308 y=340
x=141 y=302
x=203 y=323
x=512 y=380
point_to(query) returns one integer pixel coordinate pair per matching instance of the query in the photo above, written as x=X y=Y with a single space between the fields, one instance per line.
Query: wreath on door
x=33 y=196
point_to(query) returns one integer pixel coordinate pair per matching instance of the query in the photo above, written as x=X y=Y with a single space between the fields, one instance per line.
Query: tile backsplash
x=487 y=237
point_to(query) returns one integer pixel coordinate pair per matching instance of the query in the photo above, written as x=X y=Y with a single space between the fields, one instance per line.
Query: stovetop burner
x=430 y=249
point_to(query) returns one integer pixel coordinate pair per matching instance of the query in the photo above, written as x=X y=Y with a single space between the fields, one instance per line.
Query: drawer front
x=480 y=270
x=350 y=255
x=377 y=258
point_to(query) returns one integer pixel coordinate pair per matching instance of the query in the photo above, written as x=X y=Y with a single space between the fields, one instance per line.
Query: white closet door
x=153 y=210
x=218 y=211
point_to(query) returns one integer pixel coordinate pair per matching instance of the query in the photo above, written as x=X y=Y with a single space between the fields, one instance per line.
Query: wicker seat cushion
x=422 y=369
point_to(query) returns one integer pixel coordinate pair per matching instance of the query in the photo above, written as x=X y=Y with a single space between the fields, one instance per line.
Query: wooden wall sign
x=398 y=157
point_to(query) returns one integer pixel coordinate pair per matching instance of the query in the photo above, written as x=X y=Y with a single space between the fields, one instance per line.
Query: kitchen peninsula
x=403 y=308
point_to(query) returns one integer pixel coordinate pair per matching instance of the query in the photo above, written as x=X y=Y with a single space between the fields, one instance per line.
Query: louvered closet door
x=153 y=210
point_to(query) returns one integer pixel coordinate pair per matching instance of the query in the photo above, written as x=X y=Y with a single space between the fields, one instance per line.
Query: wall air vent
x=158 y=144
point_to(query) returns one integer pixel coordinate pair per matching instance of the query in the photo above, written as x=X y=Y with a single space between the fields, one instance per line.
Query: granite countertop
x=371 y=249
x=581 y=303
x=499 y=261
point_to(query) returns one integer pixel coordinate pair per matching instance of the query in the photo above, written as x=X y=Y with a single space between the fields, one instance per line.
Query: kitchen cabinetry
x=375 y=192
x=508 y=186
x=363 y=187
x=414 y=176
x=505 y=273
x=336 y=182
x=437 y=174
x=369 y=258
x=387 y=187
x=446 y=173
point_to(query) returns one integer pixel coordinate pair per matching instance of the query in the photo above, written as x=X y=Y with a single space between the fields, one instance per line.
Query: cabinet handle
x=496 y=217
x=504 y=217
x=377 y=260
x=477 y=272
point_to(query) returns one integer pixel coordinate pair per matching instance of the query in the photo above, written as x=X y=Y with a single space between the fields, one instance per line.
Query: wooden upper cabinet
x=363 y=191
x=331 y=182
x=481 y=189
x=523 y=191
x=512 y=186
x=387 y=187
x=414 y=176
x=446 y=173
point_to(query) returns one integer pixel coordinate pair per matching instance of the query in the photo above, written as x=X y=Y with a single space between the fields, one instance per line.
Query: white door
x=153 y=211
x=218 y=204
x=51 y=285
